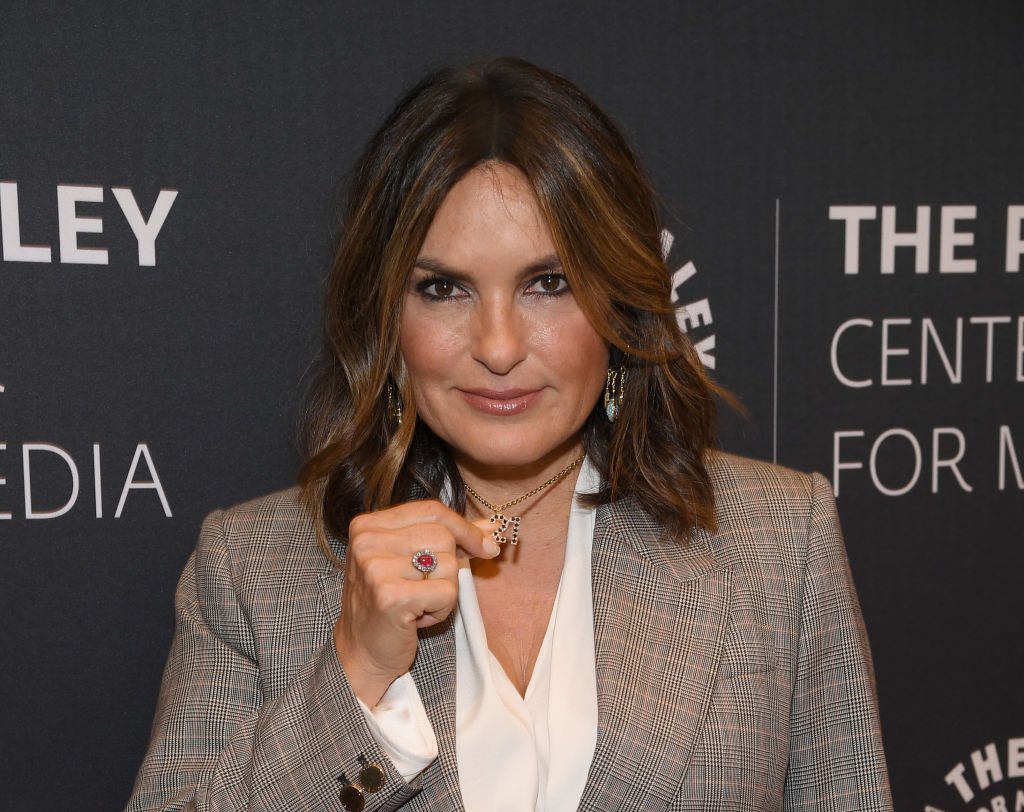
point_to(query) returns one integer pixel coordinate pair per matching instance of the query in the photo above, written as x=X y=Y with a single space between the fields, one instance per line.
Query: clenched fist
x=386 y=599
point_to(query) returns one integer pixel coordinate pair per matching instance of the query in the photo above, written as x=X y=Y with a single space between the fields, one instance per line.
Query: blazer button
x=371 y=777
x=352 y=798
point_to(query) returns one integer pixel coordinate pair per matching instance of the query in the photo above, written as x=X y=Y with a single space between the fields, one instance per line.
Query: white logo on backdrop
x=64 y=471
x=694 y=317
x=70 y=224
x=911 y=349
x=984 y=781
x=59 y=500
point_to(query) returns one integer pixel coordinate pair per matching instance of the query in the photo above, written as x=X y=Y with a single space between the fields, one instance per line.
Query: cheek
x=428 y=345
x=596 y=366
x=581 y=355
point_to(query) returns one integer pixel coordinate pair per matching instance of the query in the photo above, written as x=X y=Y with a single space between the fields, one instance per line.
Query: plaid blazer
x=733 y=671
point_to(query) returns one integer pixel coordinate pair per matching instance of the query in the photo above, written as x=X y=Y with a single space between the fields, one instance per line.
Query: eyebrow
x=546 y=264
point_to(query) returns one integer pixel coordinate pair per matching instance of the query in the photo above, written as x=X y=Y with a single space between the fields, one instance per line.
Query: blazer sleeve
x=836 y=760
x=216 y=745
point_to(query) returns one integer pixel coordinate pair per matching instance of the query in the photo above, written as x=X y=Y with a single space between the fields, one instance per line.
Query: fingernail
x=491 y=547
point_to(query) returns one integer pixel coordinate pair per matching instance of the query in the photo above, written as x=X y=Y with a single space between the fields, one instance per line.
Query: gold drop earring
x=614 y=388
x=394 y=405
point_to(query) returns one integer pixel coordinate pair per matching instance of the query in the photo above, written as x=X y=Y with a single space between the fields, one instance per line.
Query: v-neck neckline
x=476 y=633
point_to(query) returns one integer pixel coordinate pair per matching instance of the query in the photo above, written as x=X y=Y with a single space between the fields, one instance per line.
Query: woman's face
x=504 y=365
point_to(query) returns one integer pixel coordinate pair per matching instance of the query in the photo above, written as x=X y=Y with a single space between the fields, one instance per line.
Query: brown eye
x=550 y=284
x=443 y=287
x=437 y=288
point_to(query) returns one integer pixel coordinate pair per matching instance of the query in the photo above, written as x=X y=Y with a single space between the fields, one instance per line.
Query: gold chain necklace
x=504 y=522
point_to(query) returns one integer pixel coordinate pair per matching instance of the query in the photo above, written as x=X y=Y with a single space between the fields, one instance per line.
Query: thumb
x=471 y=545
x=490 y=545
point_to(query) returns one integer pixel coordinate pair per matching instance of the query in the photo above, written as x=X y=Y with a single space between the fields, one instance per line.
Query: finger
x=381 y=569
x=476 y=543
x=472 y=539
x=446 y=566
x=403 y=542
x=486 y=527
x=409 y=513
x=433 y=602
x=428 y=620
x=402 y=603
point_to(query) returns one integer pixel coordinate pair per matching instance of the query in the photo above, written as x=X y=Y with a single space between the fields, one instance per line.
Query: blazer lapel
x=434 y=673
x=660 y=610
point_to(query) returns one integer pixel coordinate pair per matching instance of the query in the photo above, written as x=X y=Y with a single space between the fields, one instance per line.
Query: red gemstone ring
x=425 y=561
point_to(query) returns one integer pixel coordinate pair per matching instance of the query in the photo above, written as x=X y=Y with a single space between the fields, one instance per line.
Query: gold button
x=371 y=777
x=352 y=798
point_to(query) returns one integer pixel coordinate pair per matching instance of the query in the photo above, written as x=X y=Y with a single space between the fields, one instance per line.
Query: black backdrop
x=181 y=370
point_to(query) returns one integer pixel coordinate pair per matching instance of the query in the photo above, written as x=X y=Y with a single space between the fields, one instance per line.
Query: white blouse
x=513 y=752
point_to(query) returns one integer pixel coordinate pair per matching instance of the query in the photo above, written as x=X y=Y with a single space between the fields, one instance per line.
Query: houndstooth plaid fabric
x=733 y=668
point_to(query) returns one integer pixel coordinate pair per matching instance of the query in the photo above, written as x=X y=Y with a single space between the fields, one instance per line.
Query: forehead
x=492 y=210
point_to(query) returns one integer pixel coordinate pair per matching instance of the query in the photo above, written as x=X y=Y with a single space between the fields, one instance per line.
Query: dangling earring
x=614 y=387
x=394 y=405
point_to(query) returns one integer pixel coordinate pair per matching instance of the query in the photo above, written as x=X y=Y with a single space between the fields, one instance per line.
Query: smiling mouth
x=501 y=402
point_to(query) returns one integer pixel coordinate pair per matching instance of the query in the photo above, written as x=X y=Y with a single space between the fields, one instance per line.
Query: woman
x=516 y=575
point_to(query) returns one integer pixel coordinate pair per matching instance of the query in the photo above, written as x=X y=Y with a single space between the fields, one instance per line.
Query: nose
x=499 y=336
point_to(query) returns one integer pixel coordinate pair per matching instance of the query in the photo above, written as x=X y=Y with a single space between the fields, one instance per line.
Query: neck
x=499 y=484
x=539 y=536
x=541 y=518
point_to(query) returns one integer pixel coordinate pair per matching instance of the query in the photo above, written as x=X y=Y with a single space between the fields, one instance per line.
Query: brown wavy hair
x=605 y=226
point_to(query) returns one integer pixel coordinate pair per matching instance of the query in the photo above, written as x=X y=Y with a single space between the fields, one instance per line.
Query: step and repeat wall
x=844 y=213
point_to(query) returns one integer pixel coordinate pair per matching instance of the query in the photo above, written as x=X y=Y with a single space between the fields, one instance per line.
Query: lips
x=501 y=402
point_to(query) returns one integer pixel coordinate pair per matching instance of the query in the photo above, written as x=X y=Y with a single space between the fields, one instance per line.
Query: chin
x=507 y=448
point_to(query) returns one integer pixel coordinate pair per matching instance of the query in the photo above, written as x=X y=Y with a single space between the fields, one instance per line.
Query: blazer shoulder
x=759 y=484
x=265 y=535
x=765 y=505
x=733 y=466
x=281 y=507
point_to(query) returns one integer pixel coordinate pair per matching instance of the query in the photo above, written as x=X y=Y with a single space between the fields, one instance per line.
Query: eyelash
x=423 y=287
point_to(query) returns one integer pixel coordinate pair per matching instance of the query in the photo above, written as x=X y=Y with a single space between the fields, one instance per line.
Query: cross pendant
x=504 y=523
